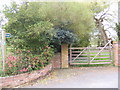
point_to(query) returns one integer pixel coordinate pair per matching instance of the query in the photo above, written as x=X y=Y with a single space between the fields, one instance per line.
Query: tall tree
x=101 y=11
x=33 y=18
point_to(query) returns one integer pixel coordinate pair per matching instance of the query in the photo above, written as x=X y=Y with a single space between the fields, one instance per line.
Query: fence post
x=70 y=55
x=64 y=56
x=3 y=45
x=115 y=52
x=88 y=55
x=110 y=54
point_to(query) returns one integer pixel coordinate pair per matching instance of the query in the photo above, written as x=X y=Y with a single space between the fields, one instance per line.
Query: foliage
x=118 y=30
x=28 y=21
x=27 y=29
x=82 y=41
x=25 y=61
x=34 y=26
x=31 y=36
x=71 y=16
x=98 y=6
x=64 y=37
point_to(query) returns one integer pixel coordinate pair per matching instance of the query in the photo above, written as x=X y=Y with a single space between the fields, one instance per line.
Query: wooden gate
x=91 y=55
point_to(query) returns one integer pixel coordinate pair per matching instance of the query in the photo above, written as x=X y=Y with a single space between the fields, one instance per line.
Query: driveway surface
x=79 y=77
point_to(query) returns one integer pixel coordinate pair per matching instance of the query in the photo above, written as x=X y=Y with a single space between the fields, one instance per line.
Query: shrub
x=82 y=41
x=118 y=30
x=64 y=37
x=24 y=61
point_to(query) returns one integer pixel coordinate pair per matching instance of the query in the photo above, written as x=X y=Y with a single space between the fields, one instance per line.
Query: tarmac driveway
x=79 y=77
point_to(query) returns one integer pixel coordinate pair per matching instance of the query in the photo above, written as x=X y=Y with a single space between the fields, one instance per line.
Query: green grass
x=91 y=65
x=100 y=53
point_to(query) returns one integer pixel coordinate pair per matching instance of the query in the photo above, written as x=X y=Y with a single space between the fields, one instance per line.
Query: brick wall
x=16 y=80
x=116 y=51
x=119 y=53
x=64 y=56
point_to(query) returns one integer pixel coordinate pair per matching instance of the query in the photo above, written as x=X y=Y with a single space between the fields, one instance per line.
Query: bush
x=64 y=37
x=24 y=61
x=82 y=41
x=118 y=30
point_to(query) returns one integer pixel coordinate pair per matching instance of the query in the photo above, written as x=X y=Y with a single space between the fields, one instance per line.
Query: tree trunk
x=103 y=35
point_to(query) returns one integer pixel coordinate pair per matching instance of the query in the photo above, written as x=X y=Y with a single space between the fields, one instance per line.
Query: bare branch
x=106 y=12
x=109 y=28
x=109 y=32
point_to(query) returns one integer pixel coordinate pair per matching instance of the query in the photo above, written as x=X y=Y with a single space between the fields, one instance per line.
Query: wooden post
x=115 y=52
x=88 y=55
x=64 y=56
x=3 y=45
x=110 y=51
x=70 y=55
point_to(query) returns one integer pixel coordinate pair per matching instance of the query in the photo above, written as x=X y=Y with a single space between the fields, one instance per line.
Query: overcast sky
x=113 y=9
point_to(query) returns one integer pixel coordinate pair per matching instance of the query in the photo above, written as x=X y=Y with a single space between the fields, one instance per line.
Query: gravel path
x=79 y=77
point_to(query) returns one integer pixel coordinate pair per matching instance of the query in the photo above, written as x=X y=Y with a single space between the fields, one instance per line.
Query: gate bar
x=80 y=53
x=100 y=51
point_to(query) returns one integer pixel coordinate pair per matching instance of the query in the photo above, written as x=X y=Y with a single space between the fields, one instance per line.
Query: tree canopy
x=38 y=22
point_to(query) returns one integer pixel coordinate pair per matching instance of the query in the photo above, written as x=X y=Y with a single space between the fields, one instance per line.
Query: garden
x=39 y=29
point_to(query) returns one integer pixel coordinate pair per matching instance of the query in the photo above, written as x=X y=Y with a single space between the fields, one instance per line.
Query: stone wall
x=17 y=80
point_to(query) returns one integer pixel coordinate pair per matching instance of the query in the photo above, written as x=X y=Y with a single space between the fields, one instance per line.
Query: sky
x=113 y=10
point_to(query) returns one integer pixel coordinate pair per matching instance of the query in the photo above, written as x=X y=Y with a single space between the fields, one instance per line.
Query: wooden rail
x=90 y=63
x=91 y=55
